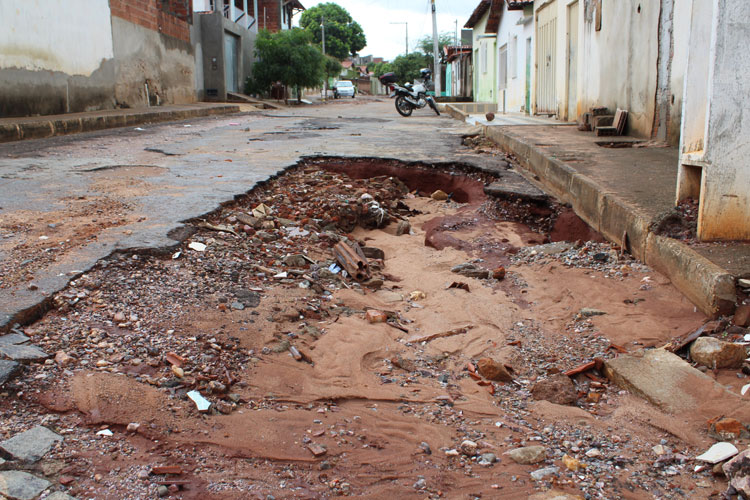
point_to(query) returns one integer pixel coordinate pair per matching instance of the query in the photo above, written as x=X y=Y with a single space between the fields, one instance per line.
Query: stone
x=471 y=271
x=403 y=227
x=492 y=370
x=718 y=453
x=13 y=339
x=715 y=353
x=742 y=315
x=59 y=495
x=558 y=389
x=737 y=471
x=18 y=485
x=162 y=490
x=528 y=454
x=30 y=445
x=237 y=305
x=62 y=358
x=515 y=188
x=498 y=273
x=555 y=248
x=468 y=448
x=487 y=459
x=317 y=450
x=439 y=195
x=540 y=474
x=8 y=369
x=571 y=463
x=594 y=453
x=373 y=253
x=667 y=381
x=296 y=260
x=554 y=495
x=23 y=352
x=588 y=312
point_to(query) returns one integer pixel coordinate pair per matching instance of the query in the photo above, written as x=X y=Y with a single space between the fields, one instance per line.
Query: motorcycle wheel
x=403 y=106
x=434 y=107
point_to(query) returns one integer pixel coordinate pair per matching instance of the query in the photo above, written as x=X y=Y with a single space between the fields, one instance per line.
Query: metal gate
x=546 y=43
x=231 y=61
x=572 y=113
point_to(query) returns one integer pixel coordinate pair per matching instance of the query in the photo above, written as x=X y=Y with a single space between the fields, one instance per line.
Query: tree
x=407 y=67
x=425 y=46
x=344 y=36
x=380 y=68
x=287 y=57
x=331 y=67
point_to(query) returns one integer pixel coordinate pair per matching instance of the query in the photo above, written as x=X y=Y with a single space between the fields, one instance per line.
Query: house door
x=231 y=61
x=528 y=76
x=546 y=37
x=572 y=112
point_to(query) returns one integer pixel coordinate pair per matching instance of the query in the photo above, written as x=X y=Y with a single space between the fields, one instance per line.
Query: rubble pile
x=177 y=345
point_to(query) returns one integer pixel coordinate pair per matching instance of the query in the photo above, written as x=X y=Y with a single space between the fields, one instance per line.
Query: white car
x=344 y=88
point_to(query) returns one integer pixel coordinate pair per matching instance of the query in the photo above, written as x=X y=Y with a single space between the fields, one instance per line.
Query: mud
x=375 y=396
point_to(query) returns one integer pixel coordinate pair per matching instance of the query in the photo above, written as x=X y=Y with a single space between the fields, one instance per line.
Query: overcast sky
x=388 y=40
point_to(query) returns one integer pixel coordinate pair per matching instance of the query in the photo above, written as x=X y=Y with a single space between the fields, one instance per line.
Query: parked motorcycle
x=410 y=96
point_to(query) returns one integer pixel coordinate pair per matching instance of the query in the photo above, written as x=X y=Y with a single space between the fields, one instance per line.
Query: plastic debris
x=200 y=402
x=198 y=247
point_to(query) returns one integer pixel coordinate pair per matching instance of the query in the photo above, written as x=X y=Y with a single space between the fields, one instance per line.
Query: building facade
x=120 y=54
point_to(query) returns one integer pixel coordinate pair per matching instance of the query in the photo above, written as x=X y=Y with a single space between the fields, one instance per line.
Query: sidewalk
x=37 y=127
x=622 y=192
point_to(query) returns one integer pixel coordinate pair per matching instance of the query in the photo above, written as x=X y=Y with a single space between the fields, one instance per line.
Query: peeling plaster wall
x=144 y=56
x=61 y=56
x=53 y=59
x=619 y=63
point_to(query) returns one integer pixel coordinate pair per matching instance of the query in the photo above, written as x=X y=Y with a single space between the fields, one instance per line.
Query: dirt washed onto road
x=310 y=399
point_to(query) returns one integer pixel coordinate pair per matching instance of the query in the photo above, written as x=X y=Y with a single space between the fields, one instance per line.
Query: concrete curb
x=708 y=286
x=74 y=124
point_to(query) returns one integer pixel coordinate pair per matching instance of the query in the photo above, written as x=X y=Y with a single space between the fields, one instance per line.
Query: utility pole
x=435 y=51
x=325 y=80
x=407 y=34
x=455 y=36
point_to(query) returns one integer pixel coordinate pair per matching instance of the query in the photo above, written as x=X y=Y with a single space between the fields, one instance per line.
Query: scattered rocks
x=32 y=445
x=540 y=474
x=8 y=369
x=439 y=195
x=554 y=495
x=23 y=352
x=403 y=227
x=558 y=389
x=742 y=314
x=664 y=379
x=726 y=429
x=487 y=459
x=471 y=270
x=468 y=448
x=572 y=463
x=375 y=316
x=493 y=370
x=18 y=485
x=528 y=454
x=737 y=471
x=715 y=353
x=63 y=359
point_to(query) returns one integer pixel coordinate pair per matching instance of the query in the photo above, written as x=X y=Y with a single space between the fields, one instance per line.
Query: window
x=503 y=68
x=513 y=57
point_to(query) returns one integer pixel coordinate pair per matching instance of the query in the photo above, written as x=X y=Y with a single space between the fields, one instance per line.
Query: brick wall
x=169 y=17
x=272 y=19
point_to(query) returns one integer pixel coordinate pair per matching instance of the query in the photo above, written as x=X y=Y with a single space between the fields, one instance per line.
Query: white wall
x=618 y=65
x=70 y=36
x=515 y=93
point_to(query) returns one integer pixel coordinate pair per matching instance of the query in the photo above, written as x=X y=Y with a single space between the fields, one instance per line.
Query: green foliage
x=331 y=66
x=425 y=46
x=380 y=69
x=287 y=57
x=407 y=68
x=344 y=36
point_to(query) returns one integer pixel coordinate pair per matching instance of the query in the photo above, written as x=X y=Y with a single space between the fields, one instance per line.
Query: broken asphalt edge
x=40 y=305
x=709 y=287
x=78 y=123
